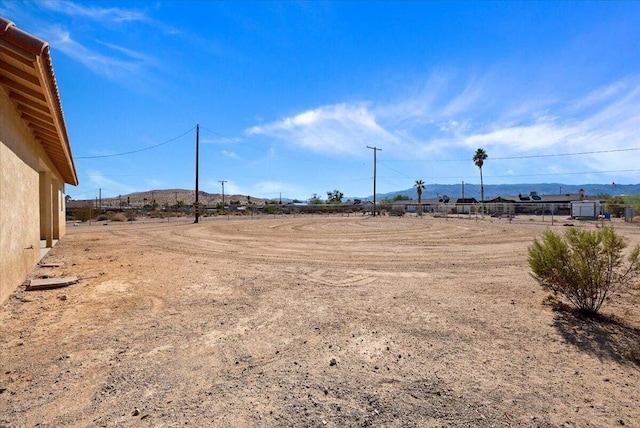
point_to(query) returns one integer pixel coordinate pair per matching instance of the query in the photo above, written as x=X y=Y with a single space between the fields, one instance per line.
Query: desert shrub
x=102 y=217
x=397 y=211
x=119 y=217
x=585 y=266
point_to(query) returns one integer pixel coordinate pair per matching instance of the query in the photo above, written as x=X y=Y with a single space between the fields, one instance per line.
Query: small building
x=431 y=205
x=586 y=210
x=466 y=205
x=35 y=155
x=534 y=203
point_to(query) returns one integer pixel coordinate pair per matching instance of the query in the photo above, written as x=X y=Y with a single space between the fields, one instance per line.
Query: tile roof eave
x=25 y=43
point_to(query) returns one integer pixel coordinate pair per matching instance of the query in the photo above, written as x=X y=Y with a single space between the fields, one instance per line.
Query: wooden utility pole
x=196 y=206
x=222 y=182
x=375 y=150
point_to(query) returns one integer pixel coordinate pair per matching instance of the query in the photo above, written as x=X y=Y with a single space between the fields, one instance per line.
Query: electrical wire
x=520 y=157
x=135 y=151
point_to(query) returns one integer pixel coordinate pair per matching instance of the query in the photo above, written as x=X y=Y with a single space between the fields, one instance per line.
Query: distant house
x=35 y=156
x=533 y=203
x=466 y=205
x=427 y=205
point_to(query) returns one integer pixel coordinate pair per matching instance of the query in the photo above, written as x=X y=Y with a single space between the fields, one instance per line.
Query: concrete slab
x=50 y=283
x=51 y=264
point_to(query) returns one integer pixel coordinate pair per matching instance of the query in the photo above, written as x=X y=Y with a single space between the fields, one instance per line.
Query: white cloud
x=525 y=138
x=274 y=187
x=128 y=52
x=114 y=14
x=104 y=65
x=99 y=180
x=154 y=183
x=221 y=140
x=336 y=129
x=605 y=119
x=453 y=119
x=232 y=155
x=472 y=95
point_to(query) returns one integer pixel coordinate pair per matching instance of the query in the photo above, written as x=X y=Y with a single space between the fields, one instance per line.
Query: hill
x=175 y=196
x=187 y=197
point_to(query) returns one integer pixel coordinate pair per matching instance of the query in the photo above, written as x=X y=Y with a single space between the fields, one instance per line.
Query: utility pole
x=196 y=207
x=463 y=190
x=100 y=206
x=375 y=150
x=222 y=182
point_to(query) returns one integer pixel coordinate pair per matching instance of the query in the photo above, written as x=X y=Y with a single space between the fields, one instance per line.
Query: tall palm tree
x=420 y=186
x=478 y=158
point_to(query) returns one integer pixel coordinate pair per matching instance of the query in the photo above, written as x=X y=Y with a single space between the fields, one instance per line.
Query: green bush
x=585 y=267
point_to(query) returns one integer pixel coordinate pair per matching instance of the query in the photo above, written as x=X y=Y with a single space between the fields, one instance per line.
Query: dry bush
x=119 y=217
x=632 y=354
x=585 y=267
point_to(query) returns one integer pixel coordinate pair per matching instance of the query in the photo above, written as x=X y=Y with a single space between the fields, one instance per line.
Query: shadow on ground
x=607 y=338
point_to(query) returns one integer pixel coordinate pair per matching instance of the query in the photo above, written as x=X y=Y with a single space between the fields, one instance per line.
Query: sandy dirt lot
x=311 y=321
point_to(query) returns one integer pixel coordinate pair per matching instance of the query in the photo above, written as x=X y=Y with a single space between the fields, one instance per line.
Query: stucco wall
x=21 y=160
x=59 y=227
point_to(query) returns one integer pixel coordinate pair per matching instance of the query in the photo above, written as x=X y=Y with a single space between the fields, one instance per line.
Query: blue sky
x=289 y=94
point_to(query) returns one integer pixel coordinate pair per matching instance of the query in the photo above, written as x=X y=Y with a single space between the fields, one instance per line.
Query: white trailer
x=586 y=209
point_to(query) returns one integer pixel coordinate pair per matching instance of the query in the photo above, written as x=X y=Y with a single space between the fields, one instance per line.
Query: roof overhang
x=26 y=75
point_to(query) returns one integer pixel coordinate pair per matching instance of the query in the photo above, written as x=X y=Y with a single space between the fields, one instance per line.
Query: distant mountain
x=173 y=196
x=494 y=190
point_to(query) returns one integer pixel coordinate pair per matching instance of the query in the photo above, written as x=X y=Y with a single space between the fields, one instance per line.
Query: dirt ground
x=312 y=321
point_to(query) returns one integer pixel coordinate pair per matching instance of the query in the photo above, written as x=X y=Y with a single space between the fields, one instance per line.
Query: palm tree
x=420 y=186
x=478 y=158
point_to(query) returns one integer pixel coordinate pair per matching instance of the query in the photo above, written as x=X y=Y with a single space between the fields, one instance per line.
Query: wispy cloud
x=274 y=188
x=221 y=140
x=604 y=119
x=333 y=129
x=450 y=123
x=106 y=15
x=232 y=155
x=107 y=66
x=86 y=34
x=99 y=180
x=537 y=136
x=128 y=52
x=114 y=14
x=154 y=183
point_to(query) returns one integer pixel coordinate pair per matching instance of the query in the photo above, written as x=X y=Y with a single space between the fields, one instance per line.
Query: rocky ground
x=312 y=321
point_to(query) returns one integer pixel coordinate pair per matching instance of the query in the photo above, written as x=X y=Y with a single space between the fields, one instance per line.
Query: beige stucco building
x=35 y=156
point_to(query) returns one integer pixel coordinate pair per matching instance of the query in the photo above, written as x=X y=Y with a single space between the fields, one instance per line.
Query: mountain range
x=494 y=190
x=186 y=196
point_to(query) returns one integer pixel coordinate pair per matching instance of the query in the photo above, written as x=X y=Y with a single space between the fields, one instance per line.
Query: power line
x=565 y=173
x=135 y=151
x=568 y=154
x=530 y=175
x=520 y=157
